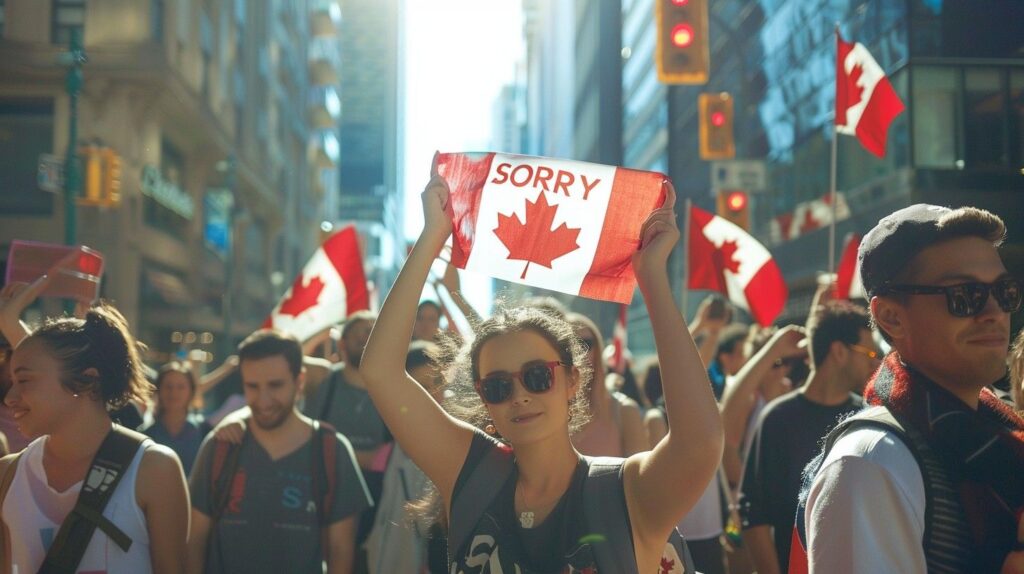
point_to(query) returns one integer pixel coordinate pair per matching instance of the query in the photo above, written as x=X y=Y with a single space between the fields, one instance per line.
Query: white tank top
x=33 y=513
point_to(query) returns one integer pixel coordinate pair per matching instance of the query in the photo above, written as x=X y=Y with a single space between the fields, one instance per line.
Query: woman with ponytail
x=67 y=376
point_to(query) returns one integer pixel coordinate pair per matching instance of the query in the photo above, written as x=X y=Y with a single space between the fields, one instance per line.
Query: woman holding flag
x=529 y=374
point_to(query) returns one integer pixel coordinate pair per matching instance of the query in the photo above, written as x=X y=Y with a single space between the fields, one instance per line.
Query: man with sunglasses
x=789 y=431
x=931 y=478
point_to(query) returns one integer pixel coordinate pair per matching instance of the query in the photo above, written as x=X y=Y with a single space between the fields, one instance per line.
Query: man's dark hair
x=355 y=318
x=836 y=321
x=428 y=303
x=731 y=336
x=420 y=353
x=271 y=343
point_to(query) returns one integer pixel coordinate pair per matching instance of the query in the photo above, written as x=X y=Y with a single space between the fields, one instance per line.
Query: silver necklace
x=525 y=517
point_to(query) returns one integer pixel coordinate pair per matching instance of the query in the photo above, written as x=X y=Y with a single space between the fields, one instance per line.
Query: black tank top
x=499 y=543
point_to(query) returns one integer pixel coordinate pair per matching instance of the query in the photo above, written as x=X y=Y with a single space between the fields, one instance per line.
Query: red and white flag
x=865 y=101
x=726 y=259
x=817 y=214
x=848 y=284
x=620 y=336
x=562 y=225
x=330 y=287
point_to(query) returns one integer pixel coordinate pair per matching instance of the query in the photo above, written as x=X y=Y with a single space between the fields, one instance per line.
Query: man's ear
x=888 y=315
x=301 y=379
x=839 y=352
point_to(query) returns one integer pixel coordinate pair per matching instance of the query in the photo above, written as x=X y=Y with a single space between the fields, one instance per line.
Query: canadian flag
x=865 y=102
x=726 y=259
x=620 y=336
x=816 y=214
x=562 y=225
x=330 y=287
x=848 y=284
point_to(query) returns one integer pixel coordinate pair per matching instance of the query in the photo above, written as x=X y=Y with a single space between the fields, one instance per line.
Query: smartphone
x=76 y=269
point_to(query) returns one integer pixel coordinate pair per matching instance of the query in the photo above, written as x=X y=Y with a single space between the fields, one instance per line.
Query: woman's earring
x=489 y=429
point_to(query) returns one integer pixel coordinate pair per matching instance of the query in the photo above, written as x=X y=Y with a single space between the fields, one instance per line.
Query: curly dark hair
x=461 y=367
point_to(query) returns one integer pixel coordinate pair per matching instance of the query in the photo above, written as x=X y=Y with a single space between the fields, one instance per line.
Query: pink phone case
x=77 y=275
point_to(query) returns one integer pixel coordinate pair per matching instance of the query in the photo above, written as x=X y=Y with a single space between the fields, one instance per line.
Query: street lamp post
x=73 y=59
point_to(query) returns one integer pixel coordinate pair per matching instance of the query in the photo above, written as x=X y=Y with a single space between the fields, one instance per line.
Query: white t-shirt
x=865 y=511
x=704 y=520
x=33 y=513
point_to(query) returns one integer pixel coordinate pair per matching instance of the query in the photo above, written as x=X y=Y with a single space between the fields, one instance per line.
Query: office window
x=984 y=122
x=935 y=112
x=26 y=131
x=2 y=18
x=68 y=15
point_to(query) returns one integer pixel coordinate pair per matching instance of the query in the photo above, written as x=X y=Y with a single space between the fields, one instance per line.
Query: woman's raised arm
x=436 y=442
x=663 y=484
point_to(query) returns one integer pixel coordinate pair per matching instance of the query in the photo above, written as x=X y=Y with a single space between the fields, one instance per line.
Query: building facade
x=223 y=113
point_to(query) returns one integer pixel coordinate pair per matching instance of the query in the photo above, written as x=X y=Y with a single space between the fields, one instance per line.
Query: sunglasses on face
x=968 y=299
x=869 y=353
x=536 y=377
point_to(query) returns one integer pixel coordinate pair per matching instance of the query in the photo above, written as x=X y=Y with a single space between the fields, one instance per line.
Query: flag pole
x=687 y=217
x=832 y=179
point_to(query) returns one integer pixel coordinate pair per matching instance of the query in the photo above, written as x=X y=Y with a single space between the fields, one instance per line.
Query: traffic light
x=734 y=206
x=102 y=181
x=682 y=49
x=716 y=127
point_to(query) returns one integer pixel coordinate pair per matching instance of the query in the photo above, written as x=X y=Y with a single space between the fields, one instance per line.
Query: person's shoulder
x=781 y=408
x=159 y=464
x=878 y=447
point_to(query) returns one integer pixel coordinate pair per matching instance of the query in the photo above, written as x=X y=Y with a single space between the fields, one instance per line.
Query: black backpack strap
x=332 y=385
x=224 y=469
x=607 y=516
x=476 y=496
x=108 y=468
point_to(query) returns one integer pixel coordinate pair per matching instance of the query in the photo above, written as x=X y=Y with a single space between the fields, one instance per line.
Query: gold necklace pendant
x=526 y=519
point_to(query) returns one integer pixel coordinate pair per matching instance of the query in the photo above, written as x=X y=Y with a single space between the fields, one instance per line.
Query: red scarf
x=983 y=451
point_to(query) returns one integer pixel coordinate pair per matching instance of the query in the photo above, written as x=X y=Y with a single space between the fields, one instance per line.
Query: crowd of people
x=885 y=438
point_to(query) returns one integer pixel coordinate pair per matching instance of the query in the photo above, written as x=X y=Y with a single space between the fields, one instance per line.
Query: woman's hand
x=437 y=221
x=14 y=299
x=658 y=235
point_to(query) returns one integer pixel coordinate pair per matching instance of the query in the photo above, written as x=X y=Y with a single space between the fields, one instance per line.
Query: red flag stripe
x=342 y=249
x=766 y=293
x=611 y=277
x=873 y=127
x=847 y=267
x=466 y=176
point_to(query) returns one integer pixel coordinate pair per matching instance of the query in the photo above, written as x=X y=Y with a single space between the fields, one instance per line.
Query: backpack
x=324 y=471
x=108 y=467
x=607 y=522
x=944 y=518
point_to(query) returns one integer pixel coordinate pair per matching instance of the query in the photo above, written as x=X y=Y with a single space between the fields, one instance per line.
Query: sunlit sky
x=458 y=56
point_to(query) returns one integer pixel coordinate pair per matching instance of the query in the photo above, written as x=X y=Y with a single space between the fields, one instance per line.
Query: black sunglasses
x=968 y=299
x=536 y=377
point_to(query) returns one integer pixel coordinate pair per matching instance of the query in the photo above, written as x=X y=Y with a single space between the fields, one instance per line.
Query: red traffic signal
x=681 y=54
x=716 y=129
x=734 y=206
x=736 y=200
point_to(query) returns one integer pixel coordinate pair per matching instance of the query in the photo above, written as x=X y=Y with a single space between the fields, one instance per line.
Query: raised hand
x=790 y=341
x=437 y=220
x=14 y=299
x=658 y=235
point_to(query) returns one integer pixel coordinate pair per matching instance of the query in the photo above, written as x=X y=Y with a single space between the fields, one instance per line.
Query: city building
x=959 y=68
x=371 y=102
x=224 y=116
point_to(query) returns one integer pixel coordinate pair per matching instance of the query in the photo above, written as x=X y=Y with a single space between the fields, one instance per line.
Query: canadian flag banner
x=848 y=284
x=726 y=259
x=562 y=225
x=865 y=101
x=330 y=287
x=620 y=336
x=816 y=214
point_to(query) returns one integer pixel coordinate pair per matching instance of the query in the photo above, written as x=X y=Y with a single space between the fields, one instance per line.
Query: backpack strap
x=108 y=468
x=476 y=495
x=607 y=517
x=226 y=457
x=5 y=485
x=325 y=469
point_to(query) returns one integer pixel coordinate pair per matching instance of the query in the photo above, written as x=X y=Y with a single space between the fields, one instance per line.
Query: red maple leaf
x=534 y=241
x=855 y=90
x=304 y=295
x=667 y=565
x=725 y=257
x=809 y=223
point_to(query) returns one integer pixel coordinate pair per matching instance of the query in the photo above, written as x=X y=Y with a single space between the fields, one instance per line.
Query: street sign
x=51 y=173
x=746 y=174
